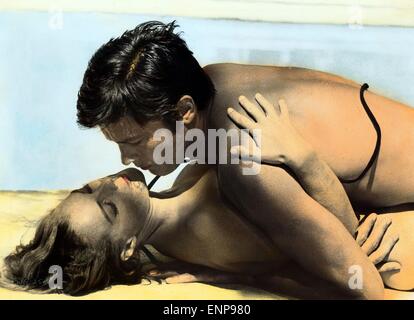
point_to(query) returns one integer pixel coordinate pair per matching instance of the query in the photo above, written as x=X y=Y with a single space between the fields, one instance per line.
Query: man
x=147 y=79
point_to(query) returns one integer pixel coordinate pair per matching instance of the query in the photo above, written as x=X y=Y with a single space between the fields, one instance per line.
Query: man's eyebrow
x=127 y=139
x=110 y=137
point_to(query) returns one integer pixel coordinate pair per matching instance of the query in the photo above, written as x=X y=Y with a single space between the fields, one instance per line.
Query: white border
x=366 y=12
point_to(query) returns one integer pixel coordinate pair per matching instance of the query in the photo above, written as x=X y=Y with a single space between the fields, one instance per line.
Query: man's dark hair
x=142 y=73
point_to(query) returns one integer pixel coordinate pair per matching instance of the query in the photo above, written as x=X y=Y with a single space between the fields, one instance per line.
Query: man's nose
x=124 y=157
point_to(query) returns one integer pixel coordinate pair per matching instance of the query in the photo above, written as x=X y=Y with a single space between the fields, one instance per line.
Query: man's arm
x=296 y=223
x=299 y=226
x=321 y=183
x=280 y=143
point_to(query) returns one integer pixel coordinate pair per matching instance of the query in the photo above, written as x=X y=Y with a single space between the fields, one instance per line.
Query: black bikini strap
x=377 y=129
x=151 y=184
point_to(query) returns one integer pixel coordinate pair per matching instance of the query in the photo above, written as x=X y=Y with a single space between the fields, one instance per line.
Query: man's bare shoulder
x=233 y=75
x=232 y=80
x=230 y=74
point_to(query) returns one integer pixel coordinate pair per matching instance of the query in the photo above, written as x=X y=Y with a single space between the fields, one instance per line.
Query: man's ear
x=187 y=109
x=129 y=249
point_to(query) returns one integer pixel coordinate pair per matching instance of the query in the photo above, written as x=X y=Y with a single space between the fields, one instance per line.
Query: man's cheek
x=149 y=149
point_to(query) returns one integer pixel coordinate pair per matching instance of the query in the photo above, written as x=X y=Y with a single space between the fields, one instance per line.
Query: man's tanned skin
x=307 y=223
x=148 y=78
x=326 y=110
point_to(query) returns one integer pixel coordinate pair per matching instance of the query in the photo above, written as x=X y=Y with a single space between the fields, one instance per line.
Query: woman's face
x=115 y=207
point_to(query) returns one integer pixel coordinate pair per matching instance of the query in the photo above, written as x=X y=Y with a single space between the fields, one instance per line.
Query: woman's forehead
x=84 y=216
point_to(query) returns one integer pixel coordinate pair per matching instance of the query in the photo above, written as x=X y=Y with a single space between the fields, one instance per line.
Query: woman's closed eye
x=110 y=208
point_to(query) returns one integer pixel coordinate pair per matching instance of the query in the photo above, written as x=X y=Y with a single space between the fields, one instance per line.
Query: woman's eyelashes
x=110 y=208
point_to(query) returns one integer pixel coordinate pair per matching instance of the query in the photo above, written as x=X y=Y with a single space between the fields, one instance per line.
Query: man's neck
x=200 y=123
x=201 y=120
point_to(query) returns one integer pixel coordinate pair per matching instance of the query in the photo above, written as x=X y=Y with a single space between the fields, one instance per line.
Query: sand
x=19 y=212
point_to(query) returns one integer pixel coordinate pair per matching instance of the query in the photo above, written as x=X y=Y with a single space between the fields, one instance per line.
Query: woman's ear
x=129 y=249
x=187 y=109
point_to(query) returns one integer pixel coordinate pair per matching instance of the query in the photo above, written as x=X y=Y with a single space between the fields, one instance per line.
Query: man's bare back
x=327 y=111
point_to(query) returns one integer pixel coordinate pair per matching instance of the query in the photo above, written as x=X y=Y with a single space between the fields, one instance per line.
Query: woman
x=95 y=235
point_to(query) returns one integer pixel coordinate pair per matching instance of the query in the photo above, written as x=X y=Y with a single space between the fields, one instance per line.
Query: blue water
x=42 y=64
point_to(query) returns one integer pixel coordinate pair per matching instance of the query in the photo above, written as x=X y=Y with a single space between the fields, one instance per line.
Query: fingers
x=390 y=266
x=162 y=274
x=241 y=120
x=245 y=154
x=376 y=235
x=209 y=277
x=205 y=276
x=384 y=249
x=284 y=111
x=365 y=228
x=268 y=107
x=251 y=108
x=158 y=276
x=182 y=278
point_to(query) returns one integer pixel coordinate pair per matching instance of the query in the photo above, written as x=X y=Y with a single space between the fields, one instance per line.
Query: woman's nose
x=120 y=182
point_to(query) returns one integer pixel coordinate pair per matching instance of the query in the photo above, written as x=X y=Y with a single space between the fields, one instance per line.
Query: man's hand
x=377 y=241
x=281 y=143
x=278 y=141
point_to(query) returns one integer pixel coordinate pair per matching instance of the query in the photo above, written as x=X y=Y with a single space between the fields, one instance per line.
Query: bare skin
x=240 y=248
x=210 y=232
x=206 y=232
x=214 y=235
x=327 y=112
x=400 y=226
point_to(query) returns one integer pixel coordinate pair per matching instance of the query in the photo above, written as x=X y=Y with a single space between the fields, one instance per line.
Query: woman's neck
x=166 y=217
